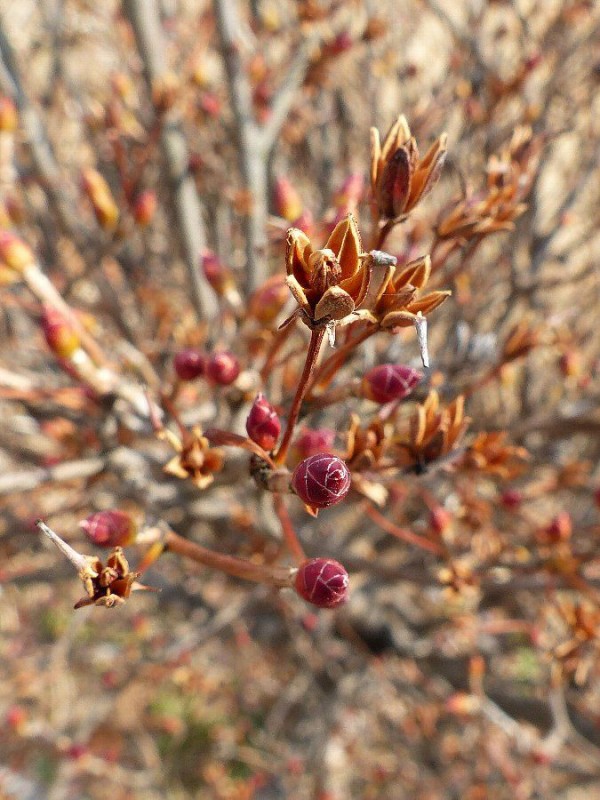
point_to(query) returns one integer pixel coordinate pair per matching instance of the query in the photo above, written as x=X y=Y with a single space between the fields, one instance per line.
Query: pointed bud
x=322 y=582
x=223 y=368
x=218 y=276
x=321 y=480
x=60 y=336
x=15 y=255
x=8 y=115
x=100 y=196
x=190 y=364
x=263 y=424
x=288 y=203
x=269 y=299
x=111 y=528
x=389 y=382
x=144 y=208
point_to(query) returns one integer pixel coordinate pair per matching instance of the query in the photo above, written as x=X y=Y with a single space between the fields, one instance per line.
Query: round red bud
x=321 y=480
x=60 y=336
x=322 y=582
x=263 y=424
x=268 y=300
x=389 y=382
x=511 y=499
x=110 y=528
x=223 y=368
x=189 y=364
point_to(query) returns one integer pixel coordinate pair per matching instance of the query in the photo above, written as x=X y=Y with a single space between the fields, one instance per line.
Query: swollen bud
x=223 y=368
x=60 y=336
x=189 y=364
x=100 y=196
x=322 y=582
x=144 y=207
x=321 y=480
x=310 y=442
x=288 y=203
x=15 y=255
x=111 y=528
x=389 y=382
x=263 y=424
x=268 y=300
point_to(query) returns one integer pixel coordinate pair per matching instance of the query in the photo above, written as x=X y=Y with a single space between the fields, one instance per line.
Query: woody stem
x=289 y=534
x=334 y=362
x=316 y=339
x=238 y=567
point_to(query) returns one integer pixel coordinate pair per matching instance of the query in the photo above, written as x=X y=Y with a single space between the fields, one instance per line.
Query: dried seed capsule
x=223 y=368
x=321 y=480
x=322 y=582
x=263 y=424
x=389 y=382
x=110 y=528
x=189 y=364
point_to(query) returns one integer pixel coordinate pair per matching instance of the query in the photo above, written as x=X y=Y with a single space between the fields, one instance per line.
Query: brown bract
x=195 y=458
x=400 y=178
x=397 y=304
x=329 y=284
x=108 y=585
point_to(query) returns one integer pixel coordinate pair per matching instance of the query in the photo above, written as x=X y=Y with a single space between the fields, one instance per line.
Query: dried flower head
x=322 y=582
x=330 y=283
x=400 y=178
x=195 y=458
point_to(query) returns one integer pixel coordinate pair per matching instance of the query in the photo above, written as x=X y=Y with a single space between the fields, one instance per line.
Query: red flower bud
x=144 y=207
x=310 y=442
x=439 y=519
x=263 y=424
x=60 y=336
x=322 y=582
x=321 y=480
x=389 y=382
x=268 y=300
x=223 y=368
x=111 y=528
x=189 y=364
x=218 y=276
x=511 y=499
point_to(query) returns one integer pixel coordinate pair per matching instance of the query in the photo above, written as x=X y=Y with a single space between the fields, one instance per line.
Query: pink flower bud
x=389 y=382
x=223 y=368
x=263 y=424
x=321 y=480
x=322 y=582
x=111 y=528
x=189 y=364
x=310 y=442
x=60 y=336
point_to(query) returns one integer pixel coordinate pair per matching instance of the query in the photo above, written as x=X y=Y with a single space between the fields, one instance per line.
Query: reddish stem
x=289 y=534
x=329 y=367
x=403 y=534
x=316 y=339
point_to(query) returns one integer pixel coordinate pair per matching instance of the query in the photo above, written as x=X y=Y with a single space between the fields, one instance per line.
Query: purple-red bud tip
x=389 y=382
x=263 y=424
x=59 y=334
x=223 y=368
x=111 y=528
x=189 y=364
x=322 y=582
x=321 y=480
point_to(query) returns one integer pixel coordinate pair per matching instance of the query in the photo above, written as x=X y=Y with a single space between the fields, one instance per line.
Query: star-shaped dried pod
x=330 y=283
x=108 y=585
x=400 y=178
x=195 y=458
x=398 y=306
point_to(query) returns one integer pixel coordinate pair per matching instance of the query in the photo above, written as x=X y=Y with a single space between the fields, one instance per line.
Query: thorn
x=78 y=560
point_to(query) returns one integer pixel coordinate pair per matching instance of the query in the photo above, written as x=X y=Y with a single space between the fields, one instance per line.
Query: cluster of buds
x=221 y=367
